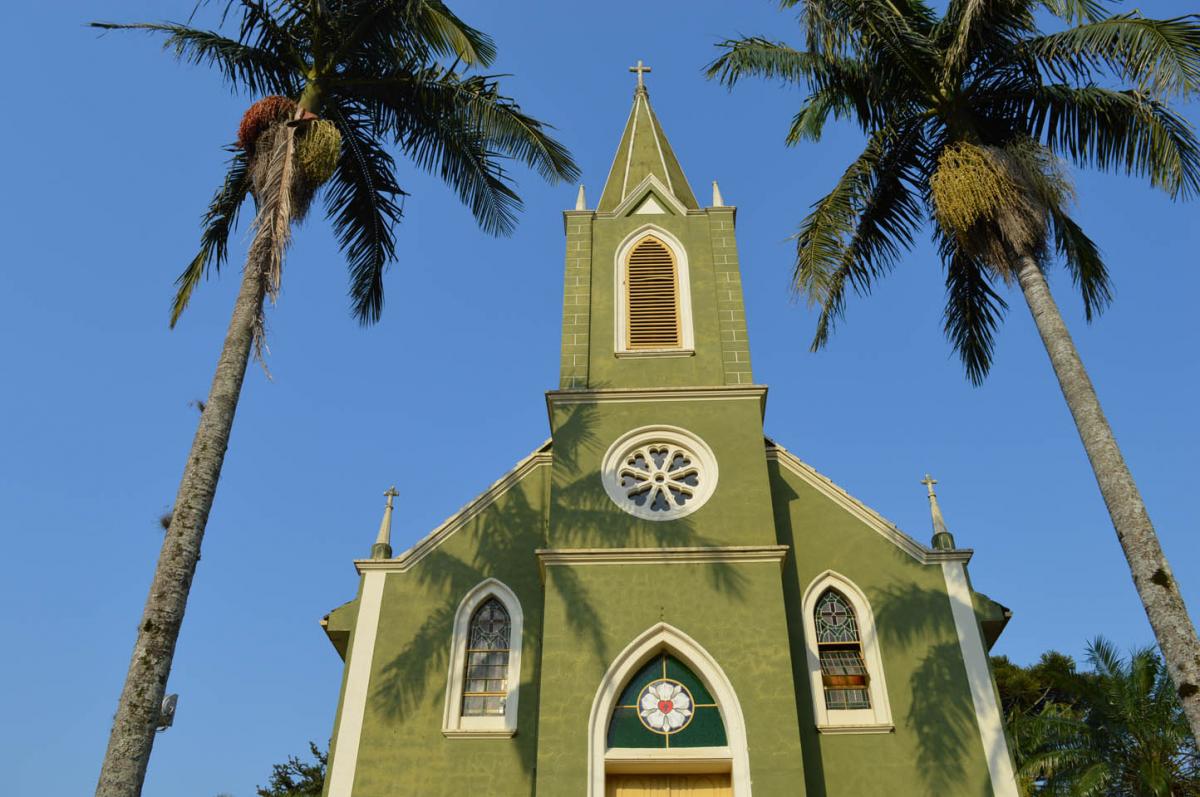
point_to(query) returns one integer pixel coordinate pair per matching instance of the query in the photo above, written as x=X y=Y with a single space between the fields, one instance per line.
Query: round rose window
x=659 y=473
x=665 y=706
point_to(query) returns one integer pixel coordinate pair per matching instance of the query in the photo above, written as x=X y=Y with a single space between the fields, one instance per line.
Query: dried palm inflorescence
x=291 y=156
x=995 y=200
x=260 y=116
x=317 y=144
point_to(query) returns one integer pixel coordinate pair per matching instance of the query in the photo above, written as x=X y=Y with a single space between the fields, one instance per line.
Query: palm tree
x=966 y=116
x=1117 y=731
x=346 y=79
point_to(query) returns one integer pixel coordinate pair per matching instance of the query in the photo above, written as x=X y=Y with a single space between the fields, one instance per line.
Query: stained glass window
x=843 y=672
x=485 y=684
x=665 y=705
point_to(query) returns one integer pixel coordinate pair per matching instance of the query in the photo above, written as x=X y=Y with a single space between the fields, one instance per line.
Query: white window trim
x=877 y=718
x=683 y=284
x=454 y=724
x=733 y=758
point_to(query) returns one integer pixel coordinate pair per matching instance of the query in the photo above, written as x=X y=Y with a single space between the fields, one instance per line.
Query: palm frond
x=755 y=56
x=1074 y=12
x=973 y=309
x=1084 y=262
x=975 y=26
x=385 y=33
x=1158 y=56
x=242 y=66
x=462 y=130
x=219 y=220
x=1117 y=130
x=857 y=231
x=361 y=202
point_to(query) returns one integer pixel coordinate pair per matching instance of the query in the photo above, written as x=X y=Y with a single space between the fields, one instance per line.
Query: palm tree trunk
x=132 y=735
x=1151 y=574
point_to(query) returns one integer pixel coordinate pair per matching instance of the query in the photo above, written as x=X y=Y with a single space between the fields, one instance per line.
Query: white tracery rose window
x=665 y=706
x=659 y=473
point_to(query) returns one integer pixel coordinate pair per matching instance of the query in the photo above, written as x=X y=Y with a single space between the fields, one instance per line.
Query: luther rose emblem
x=665 y=706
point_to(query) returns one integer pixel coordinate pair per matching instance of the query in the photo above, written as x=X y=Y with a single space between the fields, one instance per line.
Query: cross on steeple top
x=390 y=494
x=641 y=69
x=929 y=481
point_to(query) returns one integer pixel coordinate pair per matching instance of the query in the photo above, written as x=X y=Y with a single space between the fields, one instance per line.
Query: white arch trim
x=687 y=338
x=664 y=636
x=877 y=718
x=454 y=724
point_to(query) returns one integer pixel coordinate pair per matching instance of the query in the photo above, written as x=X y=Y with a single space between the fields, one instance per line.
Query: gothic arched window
x=652 y=309
x=839 y=645
x=485 y=681
x=485 y=664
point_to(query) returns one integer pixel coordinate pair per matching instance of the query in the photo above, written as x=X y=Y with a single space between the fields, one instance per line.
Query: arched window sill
x=480 y=733
x=656 y=353
x=864 y=728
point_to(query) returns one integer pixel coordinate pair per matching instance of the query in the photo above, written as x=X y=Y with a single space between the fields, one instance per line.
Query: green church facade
x=659 y=599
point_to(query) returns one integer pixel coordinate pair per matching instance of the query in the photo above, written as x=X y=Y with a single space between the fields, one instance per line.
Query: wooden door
x=715 y=785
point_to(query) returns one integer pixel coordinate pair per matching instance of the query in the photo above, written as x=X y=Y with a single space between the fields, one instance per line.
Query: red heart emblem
x=666 y=706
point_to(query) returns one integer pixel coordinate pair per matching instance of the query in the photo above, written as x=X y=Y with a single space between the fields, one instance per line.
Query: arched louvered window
x=839 y=645
x=652 y=297
x=485 y=681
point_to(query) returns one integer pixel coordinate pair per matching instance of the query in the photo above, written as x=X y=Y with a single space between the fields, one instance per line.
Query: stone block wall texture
x=731 y=310
x=577 y=300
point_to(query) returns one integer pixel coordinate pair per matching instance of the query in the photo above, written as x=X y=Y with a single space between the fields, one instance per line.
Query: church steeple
x=644 y=152
x=942 y=538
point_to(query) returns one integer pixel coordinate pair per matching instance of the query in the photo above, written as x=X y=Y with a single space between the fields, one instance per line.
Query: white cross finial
x=641 y=69
x=929 y=481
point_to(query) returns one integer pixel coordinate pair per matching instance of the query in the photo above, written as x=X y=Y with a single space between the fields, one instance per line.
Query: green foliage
x=387 y=73
x=982 y=79
x=1116 y=730
x=296 y=777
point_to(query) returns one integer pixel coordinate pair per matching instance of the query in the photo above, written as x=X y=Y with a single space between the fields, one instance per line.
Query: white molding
x=344 y=761
x=654 y=639
x=875 y=521
x=454 y=724
x=552 y=557
x=683 y=760
x=877 y=718
x=856 y=729
x=656 y=353
x=422 y=548
x=649 y=183
x=479 y=734
x=979 y=677
x=683 y=284
x=706 y=463
x=622 y=394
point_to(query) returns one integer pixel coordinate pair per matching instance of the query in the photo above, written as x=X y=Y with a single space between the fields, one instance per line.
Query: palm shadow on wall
x=941 y=713
x=510 y=531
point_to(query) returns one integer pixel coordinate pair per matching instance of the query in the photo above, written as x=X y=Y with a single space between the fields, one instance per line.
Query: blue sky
x=115 y=150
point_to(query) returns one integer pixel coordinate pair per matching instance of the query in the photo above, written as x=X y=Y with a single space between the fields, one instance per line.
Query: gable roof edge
x=884 y=527
x=427 y=544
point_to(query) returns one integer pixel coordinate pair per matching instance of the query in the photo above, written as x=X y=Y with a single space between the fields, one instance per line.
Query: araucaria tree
x=967 y=115
x=342 y=83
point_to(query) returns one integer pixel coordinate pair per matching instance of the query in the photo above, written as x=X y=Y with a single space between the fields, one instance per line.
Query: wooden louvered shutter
x=652 y=297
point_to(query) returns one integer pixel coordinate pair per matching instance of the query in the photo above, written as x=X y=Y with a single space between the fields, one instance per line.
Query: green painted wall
x=936 y=749
x=402 y=751
x=739 y=513
x=735 y=611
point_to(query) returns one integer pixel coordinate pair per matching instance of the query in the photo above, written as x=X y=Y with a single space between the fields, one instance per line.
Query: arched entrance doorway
x=666 y=723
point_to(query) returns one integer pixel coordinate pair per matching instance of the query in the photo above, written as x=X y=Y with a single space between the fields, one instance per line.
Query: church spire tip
x=382 y=549
x=942 y=538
